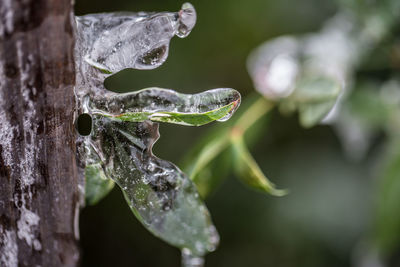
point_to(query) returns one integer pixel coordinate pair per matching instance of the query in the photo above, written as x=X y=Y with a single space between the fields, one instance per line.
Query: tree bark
x=39 y=193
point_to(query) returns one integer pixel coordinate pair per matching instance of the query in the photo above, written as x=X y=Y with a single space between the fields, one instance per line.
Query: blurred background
x=342 y=208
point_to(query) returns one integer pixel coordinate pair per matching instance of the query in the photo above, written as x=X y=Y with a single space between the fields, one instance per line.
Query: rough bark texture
x=39 y=196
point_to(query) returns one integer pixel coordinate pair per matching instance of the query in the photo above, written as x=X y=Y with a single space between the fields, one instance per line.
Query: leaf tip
x=279 y=192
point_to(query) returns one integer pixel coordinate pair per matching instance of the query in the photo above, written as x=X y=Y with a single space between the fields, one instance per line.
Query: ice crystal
x=124 y=126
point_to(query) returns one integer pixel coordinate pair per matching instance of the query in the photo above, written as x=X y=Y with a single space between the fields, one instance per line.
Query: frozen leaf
x=162 y=105
x=248 y=170
x=159 y=194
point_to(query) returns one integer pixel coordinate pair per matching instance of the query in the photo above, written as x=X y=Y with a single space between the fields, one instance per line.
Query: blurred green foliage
x=342 y=209
x=313 y=99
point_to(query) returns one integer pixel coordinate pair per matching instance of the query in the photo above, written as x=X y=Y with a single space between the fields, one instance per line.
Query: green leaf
x=194 y=119
x=248 y=170
x=312 y=113
x=97 y=184
x=313 y=98
x=316 y=90
x=163 y=105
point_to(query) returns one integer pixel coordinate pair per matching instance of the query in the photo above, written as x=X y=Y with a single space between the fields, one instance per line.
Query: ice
x=161 y=196
x=190 y=260
x=125 y=128
x=164 y=105
x=116 y=41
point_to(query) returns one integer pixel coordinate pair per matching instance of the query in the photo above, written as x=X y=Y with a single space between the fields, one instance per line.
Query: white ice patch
x=6 y=139
x=6 y=136
x=9 y=251
x=26 y=225
x=6 y=130
x=27 y=164
x=8 y=26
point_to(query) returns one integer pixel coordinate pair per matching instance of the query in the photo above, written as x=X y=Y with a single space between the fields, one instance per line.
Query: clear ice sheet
x=124 y=126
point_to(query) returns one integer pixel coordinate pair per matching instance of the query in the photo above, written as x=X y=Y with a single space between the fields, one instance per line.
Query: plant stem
x=257 y=110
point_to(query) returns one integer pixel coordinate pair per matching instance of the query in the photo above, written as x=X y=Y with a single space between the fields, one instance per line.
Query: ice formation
x=124 y=126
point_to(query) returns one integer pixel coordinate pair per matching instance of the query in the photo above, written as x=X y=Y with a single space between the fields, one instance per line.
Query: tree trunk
x=39 y=196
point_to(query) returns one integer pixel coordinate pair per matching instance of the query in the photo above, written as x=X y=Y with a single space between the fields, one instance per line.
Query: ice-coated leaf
x=159 y=194
x=97 y=184
x=162 y=105
x=248 y=170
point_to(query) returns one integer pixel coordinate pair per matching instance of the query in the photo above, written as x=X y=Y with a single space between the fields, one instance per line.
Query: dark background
x=324 y=221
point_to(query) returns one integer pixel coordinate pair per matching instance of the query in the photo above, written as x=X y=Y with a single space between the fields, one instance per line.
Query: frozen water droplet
x=190 y=260
x=233 y=110
x=187 y=20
